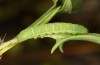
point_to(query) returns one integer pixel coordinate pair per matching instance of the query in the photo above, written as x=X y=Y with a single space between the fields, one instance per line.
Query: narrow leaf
x=66 y=5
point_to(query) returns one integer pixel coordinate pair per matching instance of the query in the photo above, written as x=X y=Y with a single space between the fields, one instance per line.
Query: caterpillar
x=51 y=28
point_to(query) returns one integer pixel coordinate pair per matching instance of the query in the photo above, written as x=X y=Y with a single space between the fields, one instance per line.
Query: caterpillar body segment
x=51 y=28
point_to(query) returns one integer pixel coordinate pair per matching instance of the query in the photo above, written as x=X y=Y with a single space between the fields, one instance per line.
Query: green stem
x=43 y=17
x=7 y=45
x=91 y=38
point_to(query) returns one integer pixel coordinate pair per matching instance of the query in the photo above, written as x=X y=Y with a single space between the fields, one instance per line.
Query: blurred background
x=16 y=15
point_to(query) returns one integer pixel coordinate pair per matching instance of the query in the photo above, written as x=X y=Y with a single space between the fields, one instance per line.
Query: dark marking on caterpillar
x=51 y=28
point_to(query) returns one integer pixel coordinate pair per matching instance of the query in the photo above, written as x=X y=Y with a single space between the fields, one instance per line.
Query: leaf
x=66 y=5
x=46 y=17
x=91 y=37
x=61 y=47
x=59 y=43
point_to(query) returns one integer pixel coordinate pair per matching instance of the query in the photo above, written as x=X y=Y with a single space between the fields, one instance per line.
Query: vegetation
x=59 y=6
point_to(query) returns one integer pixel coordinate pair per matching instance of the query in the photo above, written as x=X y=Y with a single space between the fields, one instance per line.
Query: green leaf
x=91 y=37
x=59 y=42
x=61 y=47
x=66 y=5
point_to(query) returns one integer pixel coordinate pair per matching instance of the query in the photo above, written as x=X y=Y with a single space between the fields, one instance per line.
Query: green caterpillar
x=41 y=31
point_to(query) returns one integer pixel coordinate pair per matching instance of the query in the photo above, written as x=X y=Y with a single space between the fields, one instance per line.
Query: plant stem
x=43 y=19
x=46 y=17
x=7 y=45
x=91 y=38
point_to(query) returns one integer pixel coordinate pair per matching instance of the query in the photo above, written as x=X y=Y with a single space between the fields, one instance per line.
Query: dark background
x=16 y=15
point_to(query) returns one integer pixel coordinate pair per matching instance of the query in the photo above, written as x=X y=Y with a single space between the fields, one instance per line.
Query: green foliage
x=61 y=33
x=92 y=37
x=66 y=5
